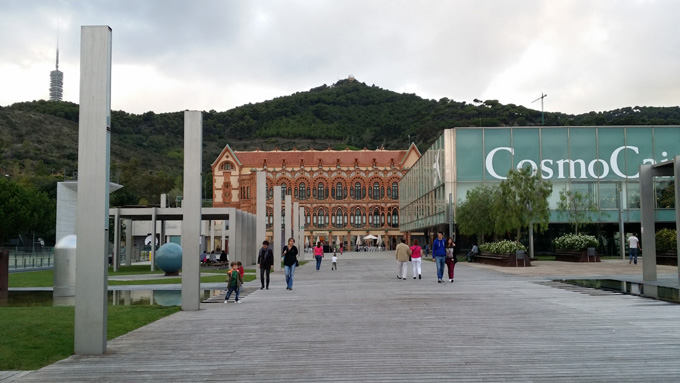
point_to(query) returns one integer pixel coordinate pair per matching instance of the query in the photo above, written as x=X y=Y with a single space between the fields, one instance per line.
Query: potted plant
x=574 y=242
x=501 y=247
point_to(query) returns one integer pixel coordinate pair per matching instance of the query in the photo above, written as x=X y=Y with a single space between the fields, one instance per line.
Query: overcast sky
x=172 y=55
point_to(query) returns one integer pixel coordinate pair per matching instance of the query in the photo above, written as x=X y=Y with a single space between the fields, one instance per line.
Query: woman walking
x=290 y=253
x=318 y=254
x=416 y=259
x=451 y=259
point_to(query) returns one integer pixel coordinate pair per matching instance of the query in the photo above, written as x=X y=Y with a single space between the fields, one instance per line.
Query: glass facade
x=600 y=161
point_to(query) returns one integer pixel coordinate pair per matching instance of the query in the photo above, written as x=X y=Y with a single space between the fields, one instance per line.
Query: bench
x=584 y=256
x=505 y=260
x=216 y=265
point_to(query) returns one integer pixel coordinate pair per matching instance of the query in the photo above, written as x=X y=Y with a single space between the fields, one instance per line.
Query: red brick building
x=345 y=194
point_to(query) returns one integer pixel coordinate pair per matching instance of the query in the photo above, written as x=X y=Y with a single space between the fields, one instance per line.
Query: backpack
x=233 y=281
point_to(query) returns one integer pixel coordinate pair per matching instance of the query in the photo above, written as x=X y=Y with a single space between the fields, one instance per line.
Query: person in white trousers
x=416 y=259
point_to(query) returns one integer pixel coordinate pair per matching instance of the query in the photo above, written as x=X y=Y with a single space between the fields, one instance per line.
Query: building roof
x=311 y=157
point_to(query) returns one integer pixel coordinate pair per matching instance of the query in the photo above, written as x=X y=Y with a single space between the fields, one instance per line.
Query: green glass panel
x=640 y=138
x=553 y=148
x=527 y=144
x=608 y=195
x=666 y=143
x=497 y=155
x=582 y=152
x=469 y=155
x=608 y=140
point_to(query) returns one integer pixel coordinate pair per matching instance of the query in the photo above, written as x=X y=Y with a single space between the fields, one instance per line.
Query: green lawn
x=33 y=337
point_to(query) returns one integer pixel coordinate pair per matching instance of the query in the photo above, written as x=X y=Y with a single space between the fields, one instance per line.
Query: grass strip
x=33 y=337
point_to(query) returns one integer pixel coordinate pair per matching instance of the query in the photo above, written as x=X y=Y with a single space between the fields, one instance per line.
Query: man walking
x=402 y=253
x=634 y=245
x=265 y=261
x=439 y=255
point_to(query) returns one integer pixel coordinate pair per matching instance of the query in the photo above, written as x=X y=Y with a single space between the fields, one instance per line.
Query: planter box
x=666 y=258
x=575 y=256
x=505 y=260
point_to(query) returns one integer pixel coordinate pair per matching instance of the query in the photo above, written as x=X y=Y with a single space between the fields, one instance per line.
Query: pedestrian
x=341 y=247
x=334 y=262
x=265 y=262
x=634 y=245
x=318 y=254
x=439 y=255
x=402 y=254
x=290 y=261
x=416 y=259
x=234 y=282
x=451 y=258
x=427 y=249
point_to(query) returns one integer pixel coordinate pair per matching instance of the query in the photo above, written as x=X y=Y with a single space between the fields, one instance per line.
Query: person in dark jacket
x=265 y=261
x=290 y=253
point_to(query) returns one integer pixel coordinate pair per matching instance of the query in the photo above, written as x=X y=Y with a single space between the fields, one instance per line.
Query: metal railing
x=31 y=258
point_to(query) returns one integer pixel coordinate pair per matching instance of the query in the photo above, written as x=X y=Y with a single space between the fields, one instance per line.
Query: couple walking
x=265 y=262
x=404 y=255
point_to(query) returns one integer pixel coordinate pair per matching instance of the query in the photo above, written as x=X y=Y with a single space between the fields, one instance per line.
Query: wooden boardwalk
x=361 y=324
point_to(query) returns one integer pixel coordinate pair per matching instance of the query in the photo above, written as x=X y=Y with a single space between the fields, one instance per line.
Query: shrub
x=501 y=247
x=666 y=240
x=574 y=242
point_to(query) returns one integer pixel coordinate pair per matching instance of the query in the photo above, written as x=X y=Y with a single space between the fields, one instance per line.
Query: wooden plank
x=360 y=323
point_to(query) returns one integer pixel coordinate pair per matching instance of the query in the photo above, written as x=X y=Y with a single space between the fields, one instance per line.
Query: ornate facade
x=345 y=194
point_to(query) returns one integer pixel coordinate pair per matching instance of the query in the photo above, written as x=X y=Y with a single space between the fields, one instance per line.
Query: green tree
x=23 y=209
x=475 y=215
x=522 y=201
x=576 y=206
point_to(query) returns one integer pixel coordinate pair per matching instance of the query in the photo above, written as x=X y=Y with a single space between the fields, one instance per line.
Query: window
x=322 y=218
x=357 y=190
x=395 y=217
x=376 y=190
x=395 y=190
x=302 y=195
x=227 y=166
x=284 y=190
x=320 y=191
x=338 y=191
x=340 y=219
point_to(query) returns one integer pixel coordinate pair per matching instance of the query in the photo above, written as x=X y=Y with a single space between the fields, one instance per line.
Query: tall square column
x=92 y=217
x=191 y=210
x=277 y=248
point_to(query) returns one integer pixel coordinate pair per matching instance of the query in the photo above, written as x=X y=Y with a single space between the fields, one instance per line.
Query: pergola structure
x=669 y=168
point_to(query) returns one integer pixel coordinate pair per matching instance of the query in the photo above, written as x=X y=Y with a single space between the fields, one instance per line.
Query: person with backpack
x=234 y=282
x=265 y=261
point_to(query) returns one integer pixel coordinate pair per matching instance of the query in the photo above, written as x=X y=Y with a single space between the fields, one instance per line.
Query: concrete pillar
x=295 y=225
x=94 y=135
x=116 y=239
x=152 y=253
x=129 y=245
x=211 y=223
x=276 y=229
x=231 y=233
x=260 y=211
x=239 y=240
x=252 y=239
x=647 y=225
x=676 y=174
x=288 y=219
x=191 y=210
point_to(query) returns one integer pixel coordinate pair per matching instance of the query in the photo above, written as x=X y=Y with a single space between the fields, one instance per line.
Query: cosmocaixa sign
x=563 y=153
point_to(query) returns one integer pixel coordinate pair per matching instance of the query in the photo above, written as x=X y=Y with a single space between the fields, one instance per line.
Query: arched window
x=270 y=219
x=376 y=190
x=358 y=219
x=320 y=191
x=284 y=190
x=357 y=190
x=395 y=217
x=227 y=166
x=339 y=218
x=322 y=218
x=338 y=191
x=302 y=195
x=395 y=190
x=374 y=218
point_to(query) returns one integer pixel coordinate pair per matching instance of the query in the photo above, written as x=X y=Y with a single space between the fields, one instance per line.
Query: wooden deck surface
x=361 y=324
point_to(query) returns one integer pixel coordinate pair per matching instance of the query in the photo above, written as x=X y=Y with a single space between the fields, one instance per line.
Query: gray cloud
x=173 y=55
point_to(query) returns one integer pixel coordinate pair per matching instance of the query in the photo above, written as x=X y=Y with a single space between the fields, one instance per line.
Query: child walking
x=234 y=282
x=334 y=262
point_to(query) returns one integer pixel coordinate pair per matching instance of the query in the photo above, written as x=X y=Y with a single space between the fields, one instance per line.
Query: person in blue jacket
x=439 y=255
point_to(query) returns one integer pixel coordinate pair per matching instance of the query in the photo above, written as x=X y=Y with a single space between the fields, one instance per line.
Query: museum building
x=601 y=161
x=346 y=194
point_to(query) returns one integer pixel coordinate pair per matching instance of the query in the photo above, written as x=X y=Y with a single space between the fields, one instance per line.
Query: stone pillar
x=238 y=240
x=647 y=218
x=295 y=226
x=116 y=239
x=94 y=135
x=261 y=211
x=152 y=253
x=223 y=235
x=276 y=229
x=129 y=245
x=191 y=210
x=288 y=219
